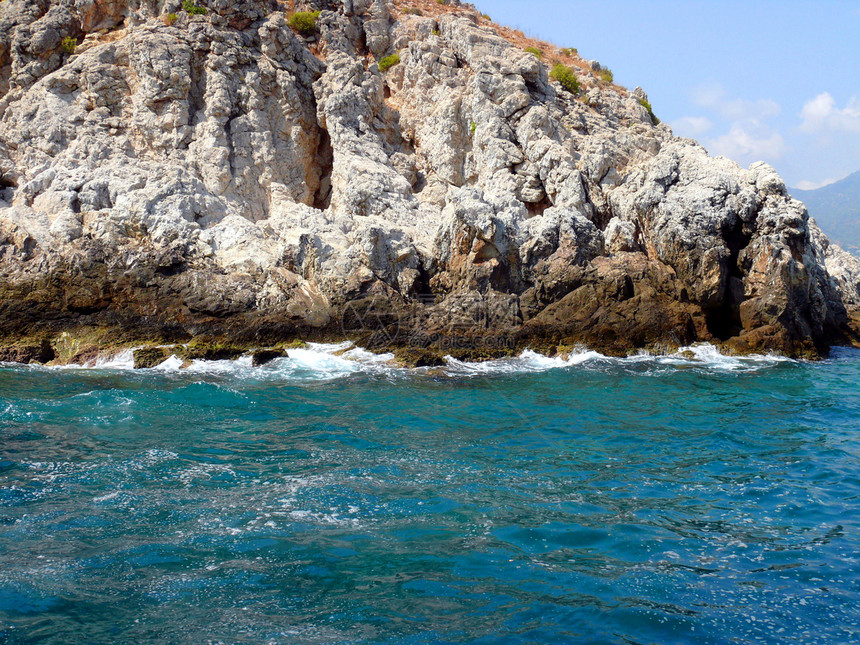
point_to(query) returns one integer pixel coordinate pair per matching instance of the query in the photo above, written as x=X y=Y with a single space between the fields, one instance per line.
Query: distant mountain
x=836 y=208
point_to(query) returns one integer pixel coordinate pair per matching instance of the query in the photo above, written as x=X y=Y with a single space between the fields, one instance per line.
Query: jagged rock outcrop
x=220 y=175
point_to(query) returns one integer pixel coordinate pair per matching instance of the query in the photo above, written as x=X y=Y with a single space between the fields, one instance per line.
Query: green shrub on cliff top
x=644 y=103
x=388 y=62
x=534 y=50
x=304 y=22
x=193 y=9
x=565 y=76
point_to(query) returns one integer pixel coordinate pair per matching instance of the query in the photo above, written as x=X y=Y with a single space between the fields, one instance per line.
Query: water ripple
x=691 y=499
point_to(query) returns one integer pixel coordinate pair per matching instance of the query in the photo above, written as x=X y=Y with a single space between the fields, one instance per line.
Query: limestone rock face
x=180 y=175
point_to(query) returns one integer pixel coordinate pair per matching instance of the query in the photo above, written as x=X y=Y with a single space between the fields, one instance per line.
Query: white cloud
x=691 y=126
x=708 y=94
x=739 y=109
x=746 y=136
x=713 y=97
x=747 y=142
x=821 y=114
x=815 y=185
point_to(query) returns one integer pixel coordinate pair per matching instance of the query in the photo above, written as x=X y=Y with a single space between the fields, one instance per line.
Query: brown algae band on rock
x=242 y=174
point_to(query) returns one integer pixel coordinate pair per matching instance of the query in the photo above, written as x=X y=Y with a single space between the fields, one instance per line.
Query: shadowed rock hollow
x=221 y=176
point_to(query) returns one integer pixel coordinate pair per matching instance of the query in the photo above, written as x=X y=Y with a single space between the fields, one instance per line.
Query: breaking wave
x=327 y=361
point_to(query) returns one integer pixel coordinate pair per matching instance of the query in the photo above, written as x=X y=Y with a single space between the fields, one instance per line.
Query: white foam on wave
x=582 y=357
x=528 y=361
x=213 y=367
x=121 y=361
x=171 y=364
x=106 y=497
x=705 y=355
x=328 y=361
x=329 y=348
x=363 y=356
x=317 y=361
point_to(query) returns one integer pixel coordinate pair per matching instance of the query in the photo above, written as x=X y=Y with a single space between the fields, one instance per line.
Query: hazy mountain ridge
x=836 y=208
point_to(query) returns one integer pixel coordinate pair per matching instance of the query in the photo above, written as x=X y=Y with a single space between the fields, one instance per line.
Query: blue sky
x=761 y=79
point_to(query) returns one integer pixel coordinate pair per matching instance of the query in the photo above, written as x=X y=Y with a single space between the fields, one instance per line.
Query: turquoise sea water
x=324 y=500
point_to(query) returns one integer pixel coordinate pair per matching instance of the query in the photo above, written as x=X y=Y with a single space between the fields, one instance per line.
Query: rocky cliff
x=171 y=174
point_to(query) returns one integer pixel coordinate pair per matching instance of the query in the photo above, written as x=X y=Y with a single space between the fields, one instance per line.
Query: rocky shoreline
x=222 y=181
x=69 y=352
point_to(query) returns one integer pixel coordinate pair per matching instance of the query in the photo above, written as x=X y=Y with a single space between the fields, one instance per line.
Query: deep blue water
x=321 y=501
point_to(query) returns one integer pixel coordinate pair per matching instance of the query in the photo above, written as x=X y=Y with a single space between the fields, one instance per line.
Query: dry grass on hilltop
x=551 y=53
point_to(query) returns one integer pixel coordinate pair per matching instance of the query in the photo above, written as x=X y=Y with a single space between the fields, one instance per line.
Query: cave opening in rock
x=420 y=182
x=7 y=188
x=325 y=162
x=537 y=208
x=737 y=240
x=601 y=218
x=421 y=291
x=724 y=321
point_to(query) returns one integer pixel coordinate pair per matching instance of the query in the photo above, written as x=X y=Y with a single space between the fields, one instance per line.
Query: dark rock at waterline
x=41 y=353
x=264 y=356
x=150 y=357
x=418 y=357
x=196 y=350
x=210 y=352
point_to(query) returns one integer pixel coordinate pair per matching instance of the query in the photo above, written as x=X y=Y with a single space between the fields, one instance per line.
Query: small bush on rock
x=388 y=62
x=566 y=78
x=69 y=44
x=605 y=74
x=193 y=9
x=644 y=103
x=534 y=50
x=569 y=51
x=169 y=19
x=304 y=22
